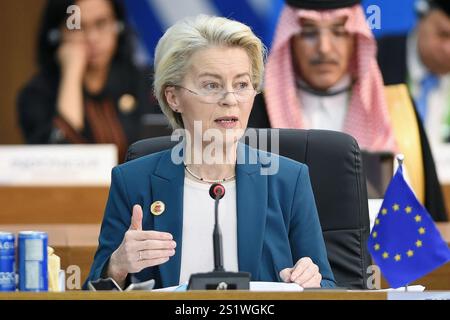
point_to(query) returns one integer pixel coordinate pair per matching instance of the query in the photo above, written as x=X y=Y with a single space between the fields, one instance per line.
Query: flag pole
x=400 y=158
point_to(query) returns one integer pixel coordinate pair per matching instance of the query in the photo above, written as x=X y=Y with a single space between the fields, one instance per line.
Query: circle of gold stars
x=398 y=256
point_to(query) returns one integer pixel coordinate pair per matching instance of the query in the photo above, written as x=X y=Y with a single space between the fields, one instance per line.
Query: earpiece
x=120 y=27
x=422 y=7
x=54 y=36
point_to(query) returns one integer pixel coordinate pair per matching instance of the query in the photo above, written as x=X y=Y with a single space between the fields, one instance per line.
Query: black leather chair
x=339 y=186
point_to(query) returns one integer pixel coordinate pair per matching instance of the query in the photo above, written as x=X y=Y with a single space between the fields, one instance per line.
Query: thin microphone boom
x=218 y=279
x=217 y=191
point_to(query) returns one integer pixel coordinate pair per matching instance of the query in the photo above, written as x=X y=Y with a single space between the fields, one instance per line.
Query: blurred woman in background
x=87 y=89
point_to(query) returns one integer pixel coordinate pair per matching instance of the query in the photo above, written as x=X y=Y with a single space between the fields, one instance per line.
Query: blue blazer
x=277 y=220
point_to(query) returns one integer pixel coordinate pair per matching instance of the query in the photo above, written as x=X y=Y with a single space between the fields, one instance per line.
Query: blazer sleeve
x=305 y=232
x=36 y=109
x=116 y=222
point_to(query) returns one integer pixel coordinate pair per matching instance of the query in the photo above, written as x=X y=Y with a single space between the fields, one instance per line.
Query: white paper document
x=274 y=286
x=254 y=286
x=415 y=288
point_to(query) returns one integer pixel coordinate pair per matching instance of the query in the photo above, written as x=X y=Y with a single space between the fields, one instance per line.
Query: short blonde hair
x=189 y=35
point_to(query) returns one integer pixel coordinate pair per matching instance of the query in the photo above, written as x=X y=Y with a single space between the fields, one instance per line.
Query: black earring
x=176 y=110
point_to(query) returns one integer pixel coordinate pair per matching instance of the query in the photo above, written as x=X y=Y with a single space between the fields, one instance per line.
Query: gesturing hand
x=72 y=54
x=140 y=249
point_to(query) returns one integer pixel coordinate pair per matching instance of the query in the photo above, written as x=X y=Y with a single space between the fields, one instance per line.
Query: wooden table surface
x=52 y=205
x=198 y=295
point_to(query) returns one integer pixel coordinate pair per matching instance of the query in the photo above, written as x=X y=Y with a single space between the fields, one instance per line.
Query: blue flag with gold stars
x=404 y=241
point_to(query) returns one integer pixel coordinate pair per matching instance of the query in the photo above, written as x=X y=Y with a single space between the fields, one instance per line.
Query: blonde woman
x=207 y=73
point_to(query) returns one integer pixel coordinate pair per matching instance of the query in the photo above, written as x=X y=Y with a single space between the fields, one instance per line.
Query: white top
x=438 y=103
x=327 y=113
x=198 y=224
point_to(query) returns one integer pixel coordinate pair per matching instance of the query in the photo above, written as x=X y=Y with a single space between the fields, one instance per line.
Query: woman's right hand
x=139 y=249
x=72 y=54
x=72 y=58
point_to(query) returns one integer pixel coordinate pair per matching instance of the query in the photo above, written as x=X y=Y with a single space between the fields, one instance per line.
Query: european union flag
x=404 y=241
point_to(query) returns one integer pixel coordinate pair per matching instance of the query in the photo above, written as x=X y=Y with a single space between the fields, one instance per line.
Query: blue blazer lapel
x=251 y=194
x=167 y=186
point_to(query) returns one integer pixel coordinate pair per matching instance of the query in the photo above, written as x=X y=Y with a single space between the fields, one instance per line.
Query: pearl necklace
x=206 y=180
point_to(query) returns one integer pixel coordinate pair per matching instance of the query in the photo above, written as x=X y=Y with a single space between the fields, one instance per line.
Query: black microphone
x=218 y=279
x=217 y=192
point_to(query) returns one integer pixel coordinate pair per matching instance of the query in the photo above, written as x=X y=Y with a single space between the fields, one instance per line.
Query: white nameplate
x=61 y=165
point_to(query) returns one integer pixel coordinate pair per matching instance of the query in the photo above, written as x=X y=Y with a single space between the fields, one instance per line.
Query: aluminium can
x=33 y=261
x=7 y=261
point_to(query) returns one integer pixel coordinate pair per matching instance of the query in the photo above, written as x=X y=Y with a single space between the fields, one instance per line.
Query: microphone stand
x=218 y=279
x=217 y=237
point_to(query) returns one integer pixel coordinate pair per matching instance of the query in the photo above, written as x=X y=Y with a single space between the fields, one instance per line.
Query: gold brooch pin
x=127 y=103
x=157 y=208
